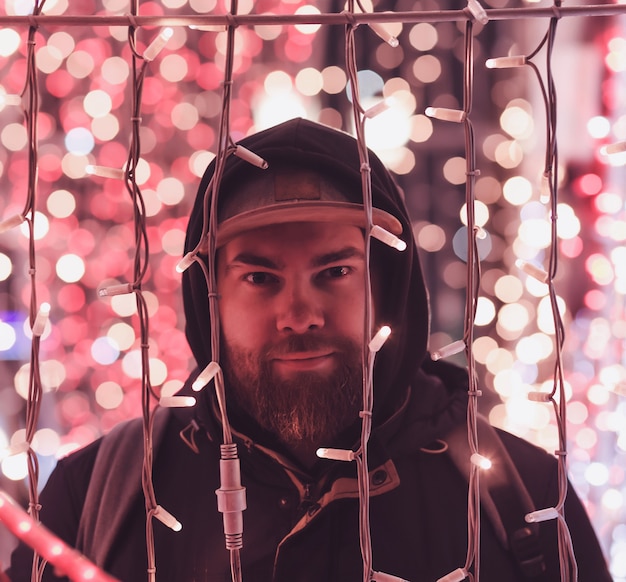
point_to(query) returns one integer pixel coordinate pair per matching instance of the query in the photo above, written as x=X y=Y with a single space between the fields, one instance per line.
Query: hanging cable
x=30 y=94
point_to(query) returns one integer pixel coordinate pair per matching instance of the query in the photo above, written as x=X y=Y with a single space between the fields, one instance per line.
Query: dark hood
x=405 y=304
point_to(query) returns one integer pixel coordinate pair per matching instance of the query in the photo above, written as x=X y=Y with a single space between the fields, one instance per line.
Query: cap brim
x=335 y=212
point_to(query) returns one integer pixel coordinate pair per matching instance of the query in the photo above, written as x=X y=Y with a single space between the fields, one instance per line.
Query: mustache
x=309 y=343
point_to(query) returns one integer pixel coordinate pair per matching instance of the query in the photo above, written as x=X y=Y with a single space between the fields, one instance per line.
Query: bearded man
x=291 y=268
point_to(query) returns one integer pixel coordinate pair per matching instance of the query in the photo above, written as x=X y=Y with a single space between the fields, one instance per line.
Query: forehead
x=295 y=239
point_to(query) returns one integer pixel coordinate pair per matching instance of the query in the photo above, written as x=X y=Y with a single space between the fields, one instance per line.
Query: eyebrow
x=254 y=260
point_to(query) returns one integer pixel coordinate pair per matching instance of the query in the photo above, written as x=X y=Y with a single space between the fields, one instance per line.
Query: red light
x=595 y=300
x=572 y=247
x=590 y=184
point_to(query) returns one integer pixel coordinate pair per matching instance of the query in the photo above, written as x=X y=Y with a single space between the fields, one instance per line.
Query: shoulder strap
x=503 y=496
x=114 y=485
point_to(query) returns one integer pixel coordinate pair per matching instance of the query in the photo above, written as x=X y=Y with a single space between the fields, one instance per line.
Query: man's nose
x=299 y=309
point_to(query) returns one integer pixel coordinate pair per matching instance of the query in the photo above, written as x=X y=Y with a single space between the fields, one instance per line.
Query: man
x=291 y=293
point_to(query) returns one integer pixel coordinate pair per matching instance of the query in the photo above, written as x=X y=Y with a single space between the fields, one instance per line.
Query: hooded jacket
x=302 y=524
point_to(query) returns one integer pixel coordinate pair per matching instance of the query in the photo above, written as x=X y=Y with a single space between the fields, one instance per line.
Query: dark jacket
x=303 y=525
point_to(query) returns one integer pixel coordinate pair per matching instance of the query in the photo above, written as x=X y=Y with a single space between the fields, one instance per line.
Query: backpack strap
x=503 y=497
x=114 y=485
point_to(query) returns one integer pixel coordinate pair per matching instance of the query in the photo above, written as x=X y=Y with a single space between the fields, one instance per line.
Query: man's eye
x=336 y=272
x=260 y=278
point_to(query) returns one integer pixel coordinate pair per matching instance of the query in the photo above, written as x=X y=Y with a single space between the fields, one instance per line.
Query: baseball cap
x=286 y=194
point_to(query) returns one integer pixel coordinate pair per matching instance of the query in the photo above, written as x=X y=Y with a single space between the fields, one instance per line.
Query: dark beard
x=311 y=408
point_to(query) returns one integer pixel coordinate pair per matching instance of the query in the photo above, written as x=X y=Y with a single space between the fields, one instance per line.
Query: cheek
x=242 y=326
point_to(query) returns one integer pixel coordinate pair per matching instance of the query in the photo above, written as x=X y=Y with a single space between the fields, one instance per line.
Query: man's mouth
x=305 y=361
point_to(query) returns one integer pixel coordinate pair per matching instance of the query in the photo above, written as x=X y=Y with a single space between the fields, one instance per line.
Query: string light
x=446 y=114
x=382 y=30
x=542 y=515
x=185 y=262
x=158 y=44
x=478 y=12
x=449 y=350
x=112 y=290
x=547 y=181
x=380 y=107
x=533 y=270
x=207 y=374
x=506 y=62
x=480 y=461
x=166 y=518
x=378 y=232
x=41 y=320
x=335 y=454
x=14 y=449
x=455 y=576
x=66 y=560
x=250 y=157
x=7 y=99
x=382 y=577
x=105 y=172
x=380 y=338
x=177 y=401
x=11 y=222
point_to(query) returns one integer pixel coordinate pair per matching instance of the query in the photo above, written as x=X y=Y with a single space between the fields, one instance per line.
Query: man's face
x=292 y=300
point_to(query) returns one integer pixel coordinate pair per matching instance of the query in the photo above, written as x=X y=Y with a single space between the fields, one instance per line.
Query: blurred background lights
x=307 y=28
x=7 y=336
x=14 y=137
x=517 y=190
x=6 y=267
x=61 y=203
x=97 y=103
x=109 y=395
x=15 y=467
x=84 y=235
x=597 y=474
x=9 y=41
x=122 y=335
x=70 y=268
x=42 y=226
x=516 y=120
x=104 y=350
x=485 y=311
x=79 y=141
x=599 y=127
x=481 y=213
x=423 y=36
